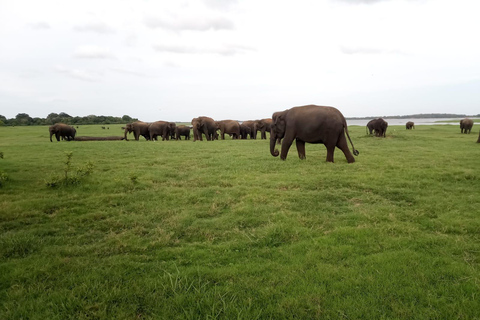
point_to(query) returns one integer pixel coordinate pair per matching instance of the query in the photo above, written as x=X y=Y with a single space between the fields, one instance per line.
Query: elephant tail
x=355 y=151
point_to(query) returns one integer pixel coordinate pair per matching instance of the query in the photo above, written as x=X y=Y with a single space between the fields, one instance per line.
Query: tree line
x=23 y=119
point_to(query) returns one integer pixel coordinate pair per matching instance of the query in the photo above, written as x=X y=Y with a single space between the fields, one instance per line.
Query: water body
x=417 y=121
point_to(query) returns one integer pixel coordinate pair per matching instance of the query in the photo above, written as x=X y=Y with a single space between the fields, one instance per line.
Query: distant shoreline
x=419 y=116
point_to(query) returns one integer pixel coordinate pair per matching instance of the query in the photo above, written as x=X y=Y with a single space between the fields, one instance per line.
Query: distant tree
x=23 y=119
x=126 y=118
x=64 y=115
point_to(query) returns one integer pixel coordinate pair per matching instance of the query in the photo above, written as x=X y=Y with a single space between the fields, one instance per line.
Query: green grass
x=222 y=230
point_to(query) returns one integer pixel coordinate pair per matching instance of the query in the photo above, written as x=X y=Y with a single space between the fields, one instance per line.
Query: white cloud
x=41 y=25
x=93 y=52
x=97 y=27
x=224 y=50
x=192 y=23
x=84 y=75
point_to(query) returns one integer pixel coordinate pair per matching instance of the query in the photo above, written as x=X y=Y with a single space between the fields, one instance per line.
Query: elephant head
x=128 y=129
x=277 y=130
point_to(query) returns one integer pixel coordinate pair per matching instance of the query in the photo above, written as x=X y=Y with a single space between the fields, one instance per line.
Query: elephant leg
x=343 y=145
x=286 y=144
x=330 y=151
x=301 y=149
x=264 y=135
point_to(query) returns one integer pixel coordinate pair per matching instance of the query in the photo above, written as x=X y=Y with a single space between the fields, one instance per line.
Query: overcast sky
x=238 y=59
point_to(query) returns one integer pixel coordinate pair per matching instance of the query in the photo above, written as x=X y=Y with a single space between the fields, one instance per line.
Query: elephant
x=182 y=131
x=264 y=126
x=466 y=125
x=379 y=126
x=62 y=130
x=410 y=125
x=249 y=129
x=204 y=125
x=478 y=141
x=230 y=127
x=245 y=131
x=312 y=124
x=161 y=128
x=139 y=128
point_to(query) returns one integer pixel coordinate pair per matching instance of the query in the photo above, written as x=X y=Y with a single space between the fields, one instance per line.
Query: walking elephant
x=203 y=125
x=379 y=126
x=182 y=131
x=312 y=124
x=161 y=128
x=264 y=126
x=410 y=125
x=245 y=131
x=466 y=125
x=249 y=129
x=231 y=127
x=62 y=130
x=139 y=128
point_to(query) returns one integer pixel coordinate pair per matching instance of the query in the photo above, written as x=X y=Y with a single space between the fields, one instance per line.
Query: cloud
x=97 y=27
x=224 y=50
x=41 y=25
x=193 y=23
x=131 y=72
x=83 y=75
x=367 y=50
x=220 y=4
x=360 y=1
x=93 y=52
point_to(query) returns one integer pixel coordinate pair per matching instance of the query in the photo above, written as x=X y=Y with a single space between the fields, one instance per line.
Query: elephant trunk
x=125 y=135
x=51 y=134
x=273 y=140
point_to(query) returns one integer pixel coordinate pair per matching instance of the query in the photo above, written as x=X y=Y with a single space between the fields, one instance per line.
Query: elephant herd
x=311 y=123
x=201 y=126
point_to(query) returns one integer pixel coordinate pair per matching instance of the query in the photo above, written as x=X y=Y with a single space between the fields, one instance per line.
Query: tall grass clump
x=71 y=176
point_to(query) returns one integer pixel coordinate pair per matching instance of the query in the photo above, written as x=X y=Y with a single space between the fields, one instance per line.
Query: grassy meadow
x=223 y=230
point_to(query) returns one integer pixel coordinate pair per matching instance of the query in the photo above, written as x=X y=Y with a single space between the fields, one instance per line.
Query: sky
x=238 y=59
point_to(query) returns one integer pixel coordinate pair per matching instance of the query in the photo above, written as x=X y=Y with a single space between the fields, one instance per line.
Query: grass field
x=223 y=230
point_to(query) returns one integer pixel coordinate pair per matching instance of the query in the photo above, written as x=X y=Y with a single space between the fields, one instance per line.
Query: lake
x=417 y=121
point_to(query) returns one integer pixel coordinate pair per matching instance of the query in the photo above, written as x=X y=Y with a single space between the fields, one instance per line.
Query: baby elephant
x=466 y=125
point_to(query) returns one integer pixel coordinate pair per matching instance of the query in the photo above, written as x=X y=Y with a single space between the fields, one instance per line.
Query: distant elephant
x=466 y=125
x=139 y=128
x=379 y=126
x=62 y=130
x=478 y=141
x=204 y=125
x=230 y=127
x=250 y=124
x=312 y=124
x=264 y=126
x=161 y=128
x=245 y=131
x=182 y=131
x=410 y=125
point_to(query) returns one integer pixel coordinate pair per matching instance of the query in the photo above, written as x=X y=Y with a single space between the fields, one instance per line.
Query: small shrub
x=69 y=178
x=3 y=178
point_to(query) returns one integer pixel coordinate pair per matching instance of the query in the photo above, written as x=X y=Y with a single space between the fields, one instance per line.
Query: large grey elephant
x=379 y=126
x=466 y=125
x=312 y=124
x=182 y=131
x=248 y=129
x=204 y=125
x=264 y=126
x=231 y=127
x=139 y=128
x=161 y=128
x=62 y=130
x=410 y=125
